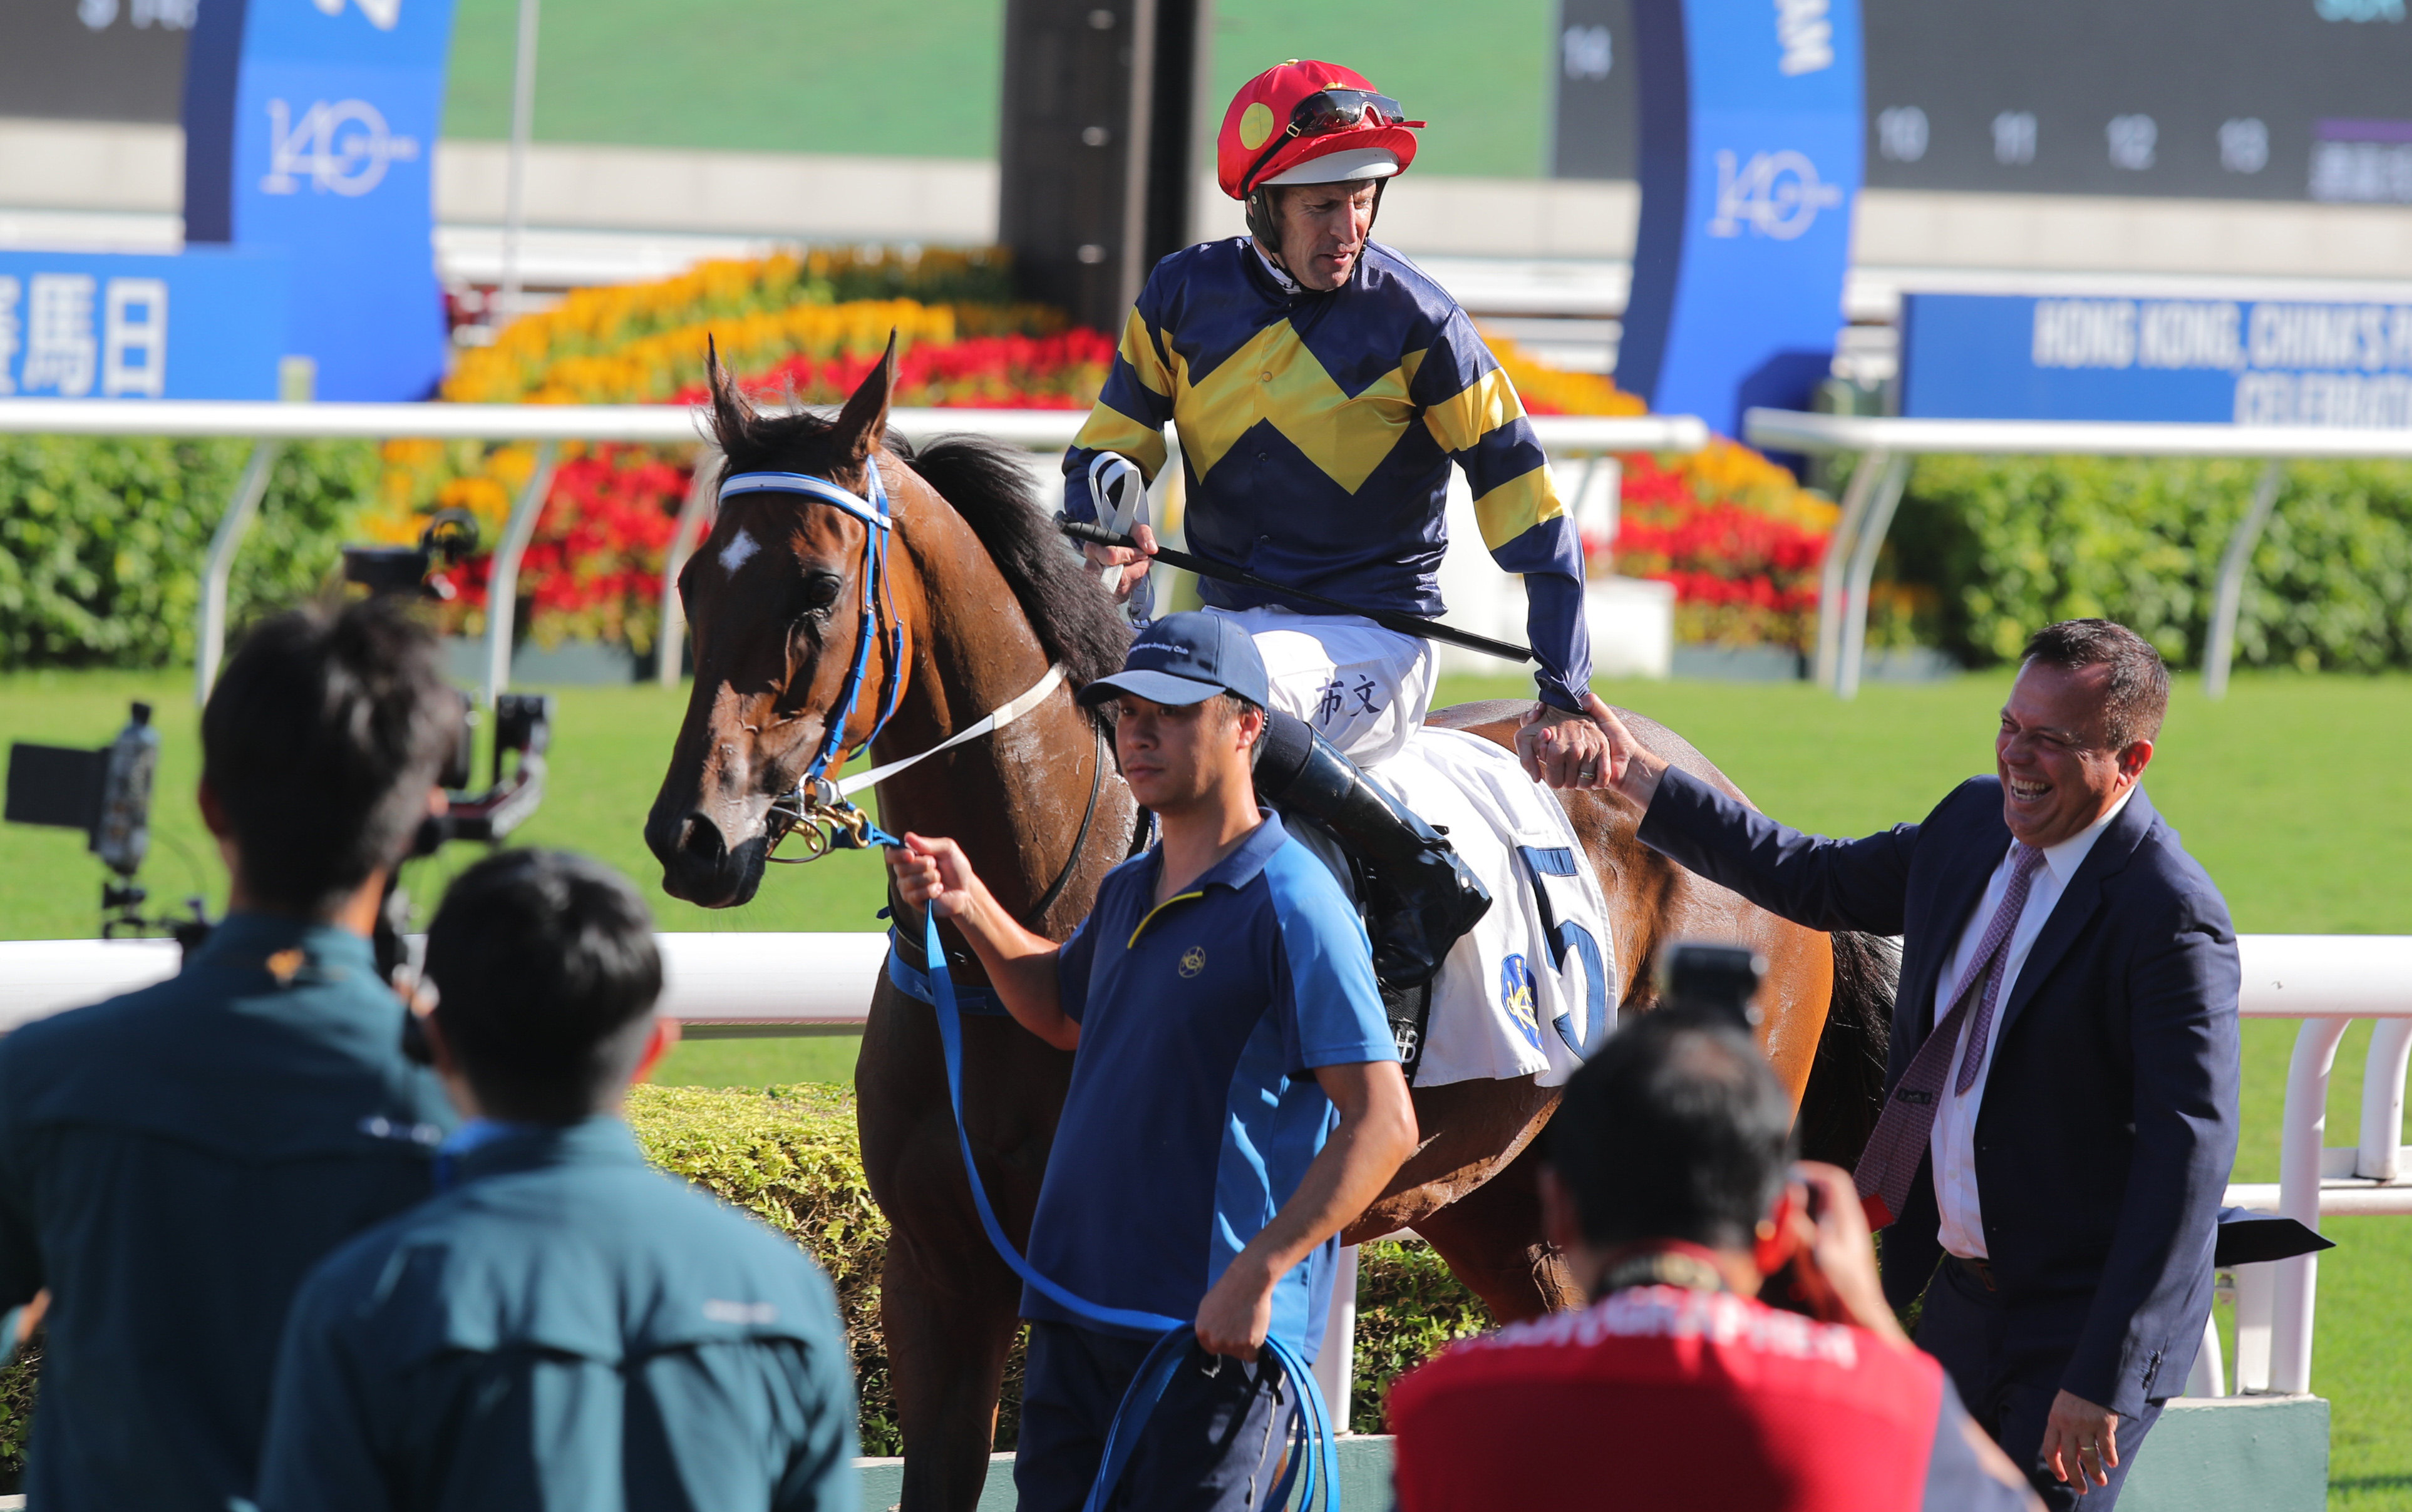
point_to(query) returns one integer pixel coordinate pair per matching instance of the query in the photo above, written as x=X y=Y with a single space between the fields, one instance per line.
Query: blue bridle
x=877 y=593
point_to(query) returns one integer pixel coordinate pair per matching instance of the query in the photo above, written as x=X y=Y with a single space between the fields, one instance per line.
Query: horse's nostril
x=701 y=839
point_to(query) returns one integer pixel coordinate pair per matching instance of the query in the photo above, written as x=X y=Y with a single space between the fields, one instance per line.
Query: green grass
x=2294 y=792
x=760 y=1062
x=922 y=77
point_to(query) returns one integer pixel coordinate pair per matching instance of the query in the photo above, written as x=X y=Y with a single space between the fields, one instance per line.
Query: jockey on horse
x=1322 y=385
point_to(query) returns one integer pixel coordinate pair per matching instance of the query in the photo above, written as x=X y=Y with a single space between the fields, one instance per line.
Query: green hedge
x=102 y=540
x=2006 y=545
x=789 y=1157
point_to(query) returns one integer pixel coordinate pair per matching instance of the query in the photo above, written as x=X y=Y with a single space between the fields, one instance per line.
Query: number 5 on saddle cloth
x=1485 y=914
x=1490 y=935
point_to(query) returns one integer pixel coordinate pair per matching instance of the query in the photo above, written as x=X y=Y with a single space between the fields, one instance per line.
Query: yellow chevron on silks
x=1138 y=350
x=1276 y=378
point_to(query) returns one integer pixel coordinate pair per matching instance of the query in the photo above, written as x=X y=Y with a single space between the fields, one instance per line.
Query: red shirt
x=1657 y=1397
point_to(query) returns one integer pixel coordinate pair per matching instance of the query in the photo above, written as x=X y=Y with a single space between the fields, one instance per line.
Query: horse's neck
x=1004 y=796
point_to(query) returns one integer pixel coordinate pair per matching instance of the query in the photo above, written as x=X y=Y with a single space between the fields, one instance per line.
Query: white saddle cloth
x=1531 y=989
x=1533 y=986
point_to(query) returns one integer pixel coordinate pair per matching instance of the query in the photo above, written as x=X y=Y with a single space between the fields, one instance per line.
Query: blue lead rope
x=1313 y=1446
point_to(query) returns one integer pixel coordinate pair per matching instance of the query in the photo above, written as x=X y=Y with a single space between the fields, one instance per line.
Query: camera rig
x=1711 y=977
x=106 y=793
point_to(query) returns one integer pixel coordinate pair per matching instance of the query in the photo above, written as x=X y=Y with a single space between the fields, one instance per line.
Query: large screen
x=2222 y=99
x=2229 y=100
x=94 y=60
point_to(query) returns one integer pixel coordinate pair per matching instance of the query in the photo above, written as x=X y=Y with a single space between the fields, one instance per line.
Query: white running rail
x=270 y=425
x=1884 y=445
x=800 y=984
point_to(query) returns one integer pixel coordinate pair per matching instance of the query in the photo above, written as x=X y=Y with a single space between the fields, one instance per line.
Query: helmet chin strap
x=1265 y=226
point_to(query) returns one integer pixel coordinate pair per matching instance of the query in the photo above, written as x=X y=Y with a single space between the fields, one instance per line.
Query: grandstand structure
x=657 y=143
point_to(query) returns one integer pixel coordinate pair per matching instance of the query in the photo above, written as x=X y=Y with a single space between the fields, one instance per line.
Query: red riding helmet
x=1310 y=123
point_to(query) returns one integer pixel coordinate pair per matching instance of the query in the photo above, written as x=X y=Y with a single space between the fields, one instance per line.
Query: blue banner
x=1751 y=157
x=2246 y=361
x=206 y=325
x=310 y=127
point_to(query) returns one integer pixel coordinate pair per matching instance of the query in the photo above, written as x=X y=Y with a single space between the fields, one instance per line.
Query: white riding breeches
x=1363 y=688
x=1535 y=982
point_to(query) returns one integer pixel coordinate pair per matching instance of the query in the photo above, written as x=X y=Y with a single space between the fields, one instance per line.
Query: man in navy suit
x=2061 y=1102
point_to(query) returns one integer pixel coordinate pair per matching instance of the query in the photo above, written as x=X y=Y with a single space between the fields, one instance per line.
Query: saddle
x=1406 y=995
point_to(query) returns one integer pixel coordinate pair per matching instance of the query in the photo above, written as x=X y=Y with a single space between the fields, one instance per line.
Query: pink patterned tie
x=1890 y=1161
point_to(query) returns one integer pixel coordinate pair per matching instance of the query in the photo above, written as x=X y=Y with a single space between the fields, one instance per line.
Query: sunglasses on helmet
x=1327 y=111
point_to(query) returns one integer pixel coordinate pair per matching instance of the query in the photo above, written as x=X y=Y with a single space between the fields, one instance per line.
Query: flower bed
x=1737 y=536
x=1738 y=540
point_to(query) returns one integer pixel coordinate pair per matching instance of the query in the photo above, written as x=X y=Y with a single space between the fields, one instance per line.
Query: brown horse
x=989 y=597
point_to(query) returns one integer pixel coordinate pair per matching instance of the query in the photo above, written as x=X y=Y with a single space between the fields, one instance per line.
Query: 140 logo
x=343 y=147
x=1776 y=194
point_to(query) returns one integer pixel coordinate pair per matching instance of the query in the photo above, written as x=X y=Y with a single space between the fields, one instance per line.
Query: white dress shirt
x=1952 y=1146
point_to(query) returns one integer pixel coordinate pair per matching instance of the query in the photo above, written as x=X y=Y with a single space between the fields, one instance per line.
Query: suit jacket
x=2109 y=1115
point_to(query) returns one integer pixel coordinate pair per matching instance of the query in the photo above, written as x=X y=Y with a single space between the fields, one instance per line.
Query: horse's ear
x=730 y=413
x=864 y=419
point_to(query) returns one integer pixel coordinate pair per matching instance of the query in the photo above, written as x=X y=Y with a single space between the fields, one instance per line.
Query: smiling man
x=2060 y=1106
x=1236 y=1098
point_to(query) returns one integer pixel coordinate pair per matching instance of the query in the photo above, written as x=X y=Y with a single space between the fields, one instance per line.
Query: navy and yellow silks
x=1317 y=432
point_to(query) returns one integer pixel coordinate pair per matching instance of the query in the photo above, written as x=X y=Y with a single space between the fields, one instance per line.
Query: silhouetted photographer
x=1671 y=1189
x=173 y=1161
x=565 y=1326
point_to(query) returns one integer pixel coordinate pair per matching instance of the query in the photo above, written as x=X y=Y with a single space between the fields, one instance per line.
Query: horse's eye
x=820 y=589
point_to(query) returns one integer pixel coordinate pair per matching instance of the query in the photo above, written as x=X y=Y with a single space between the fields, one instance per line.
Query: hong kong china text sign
x=2242 y=361
x=202 y=326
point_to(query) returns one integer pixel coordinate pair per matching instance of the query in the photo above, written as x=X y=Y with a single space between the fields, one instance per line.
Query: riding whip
x=1411 y=624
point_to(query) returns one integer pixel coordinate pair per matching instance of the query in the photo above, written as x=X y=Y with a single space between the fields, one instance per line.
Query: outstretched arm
x=1472 y=410
x=1809 y=879
x=934 y=874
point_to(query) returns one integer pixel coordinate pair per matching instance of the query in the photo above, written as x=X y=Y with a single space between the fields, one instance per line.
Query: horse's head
x=774 y=602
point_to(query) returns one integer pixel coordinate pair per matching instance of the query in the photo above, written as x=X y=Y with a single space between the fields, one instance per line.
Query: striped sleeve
x=1471 y=409
x=1130 y=412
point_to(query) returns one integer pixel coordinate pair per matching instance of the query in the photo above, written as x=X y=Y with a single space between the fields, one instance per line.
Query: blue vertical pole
x=311 y=129
x=1751 y=151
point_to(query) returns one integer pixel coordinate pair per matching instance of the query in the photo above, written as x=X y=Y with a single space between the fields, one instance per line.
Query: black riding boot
x=1422 y=897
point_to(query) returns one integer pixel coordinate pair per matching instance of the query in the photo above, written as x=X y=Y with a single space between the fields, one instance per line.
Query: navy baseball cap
x=1184 y=659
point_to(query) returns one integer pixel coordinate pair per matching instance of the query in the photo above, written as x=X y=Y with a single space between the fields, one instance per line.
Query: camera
x=523 y=731
x=1714 y=980
x=107 y=795
x=450 y=538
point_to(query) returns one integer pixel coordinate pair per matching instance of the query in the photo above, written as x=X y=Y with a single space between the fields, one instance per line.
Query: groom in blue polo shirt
x=1236 y=1097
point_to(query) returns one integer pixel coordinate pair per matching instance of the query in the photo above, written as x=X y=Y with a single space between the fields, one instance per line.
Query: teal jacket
x=566 y=1329
x=172 y=1163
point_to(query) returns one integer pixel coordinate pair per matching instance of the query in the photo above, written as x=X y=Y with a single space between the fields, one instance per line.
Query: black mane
x=987 y=483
